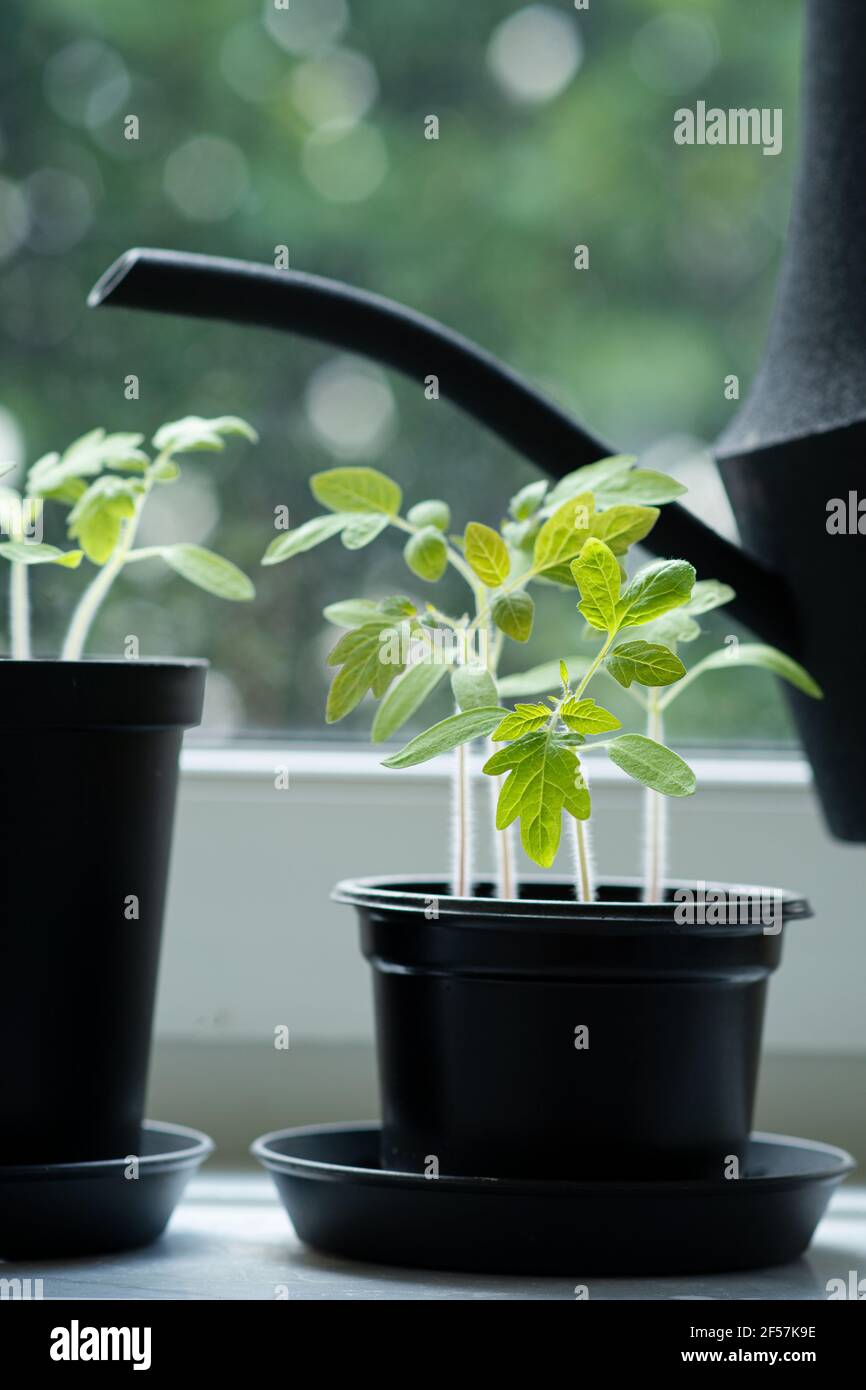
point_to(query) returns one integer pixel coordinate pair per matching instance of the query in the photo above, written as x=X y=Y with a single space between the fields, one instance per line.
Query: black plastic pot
x=88 y=772
x=482 y=1065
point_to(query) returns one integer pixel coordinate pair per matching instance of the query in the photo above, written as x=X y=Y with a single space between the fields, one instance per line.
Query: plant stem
x=584 y=872
x=520 y=581
x=461 y=845
x=598 y=659
x=504 y=842
x=89 y=604
x=94 y=595
x=674 y=691
x=19 y=613
x=655 y=815
x=584 y=876
x=462 y=879
x=507 y=887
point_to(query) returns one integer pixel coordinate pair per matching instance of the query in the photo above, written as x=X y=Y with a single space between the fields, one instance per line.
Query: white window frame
x=253 y=941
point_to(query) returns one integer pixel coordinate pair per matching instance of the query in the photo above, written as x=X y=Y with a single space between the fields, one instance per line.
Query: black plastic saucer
x=340 y=1201
x=54 y=1209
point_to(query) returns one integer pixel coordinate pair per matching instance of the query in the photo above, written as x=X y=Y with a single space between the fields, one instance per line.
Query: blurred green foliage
x=477 y=228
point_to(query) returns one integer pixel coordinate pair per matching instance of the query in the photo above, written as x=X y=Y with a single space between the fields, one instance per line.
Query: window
x=252 y=136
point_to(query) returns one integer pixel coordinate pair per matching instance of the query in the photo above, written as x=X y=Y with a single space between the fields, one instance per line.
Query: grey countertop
x=230 y=1239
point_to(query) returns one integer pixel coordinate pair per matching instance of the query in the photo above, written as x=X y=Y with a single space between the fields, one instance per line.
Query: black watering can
x=797 y=442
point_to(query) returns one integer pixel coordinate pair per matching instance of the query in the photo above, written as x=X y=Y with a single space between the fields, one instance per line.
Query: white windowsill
x=342 y=761
x=240 y=1213
x=253 y=939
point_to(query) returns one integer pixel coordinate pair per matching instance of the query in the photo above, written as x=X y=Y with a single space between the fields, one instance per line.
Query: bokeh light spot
x=85 y=82
x=206 y=178
x=673 y=52
x=345 y=166
x=535 y=53
x=307 y=25
x=60 y=210
x=336 y=89
x=350 y=407
x=14 y=218
x=187 y=510
x=11 y=446
x=249 y=63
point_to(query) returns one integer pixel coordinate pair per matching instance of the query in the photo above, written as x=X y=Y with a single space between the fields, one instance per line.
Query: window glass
x=305 y=127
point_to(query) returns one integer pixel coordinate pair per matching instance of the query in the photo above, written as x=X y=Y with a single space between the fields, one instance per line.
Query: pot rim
x=390 y=893
x=198 y=1147
x=91 y=661
x=840 y=1164
x=101 y=693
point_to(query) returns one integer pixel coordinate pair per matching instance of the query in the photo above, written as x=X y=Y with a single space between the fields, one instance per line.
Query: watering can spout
x=357 y=321
x=791 y=460
x=776 y=595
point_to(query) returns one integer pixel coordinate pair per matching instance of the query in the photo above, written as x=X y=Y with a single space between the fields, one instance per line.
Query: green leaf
x=426 y=554
x=361 y=530
x=369 y=657
x=675 y=626
x=563 y=674
x=35 y=553
x=539 y=680
x=527 y=501
x=96 y=446
x=521 y=565
x=448 y=734
x=558 y=575
x=597 y=575
x=356 y=612
x=708 y=594
x=641 y=485
x=165 y=471
x=766 y=658
x=563 y=534
x=591 y=477
x=351 y=612
x=86 y=457
x=544 y=779
x=513 y=614
x=193 y=434
x=43 y=475
x=648 y=663
x=98 y=515
x=587 y=717
x=398 y=606
x=312 y=533
x=430 y=513
x=209 y=571
x=67 y=493
x=655 y=589
x=520 y=535
x=523 y=719
x=473 y=687
x=652 y=764
x=113 y=451
x=356 y=490
x=406 y=695
x=622 y=526
x=487 y=553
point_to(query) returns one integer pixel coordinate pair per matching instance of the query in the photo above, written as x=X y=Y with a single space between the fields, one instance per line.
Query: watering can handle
x=357 y=321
